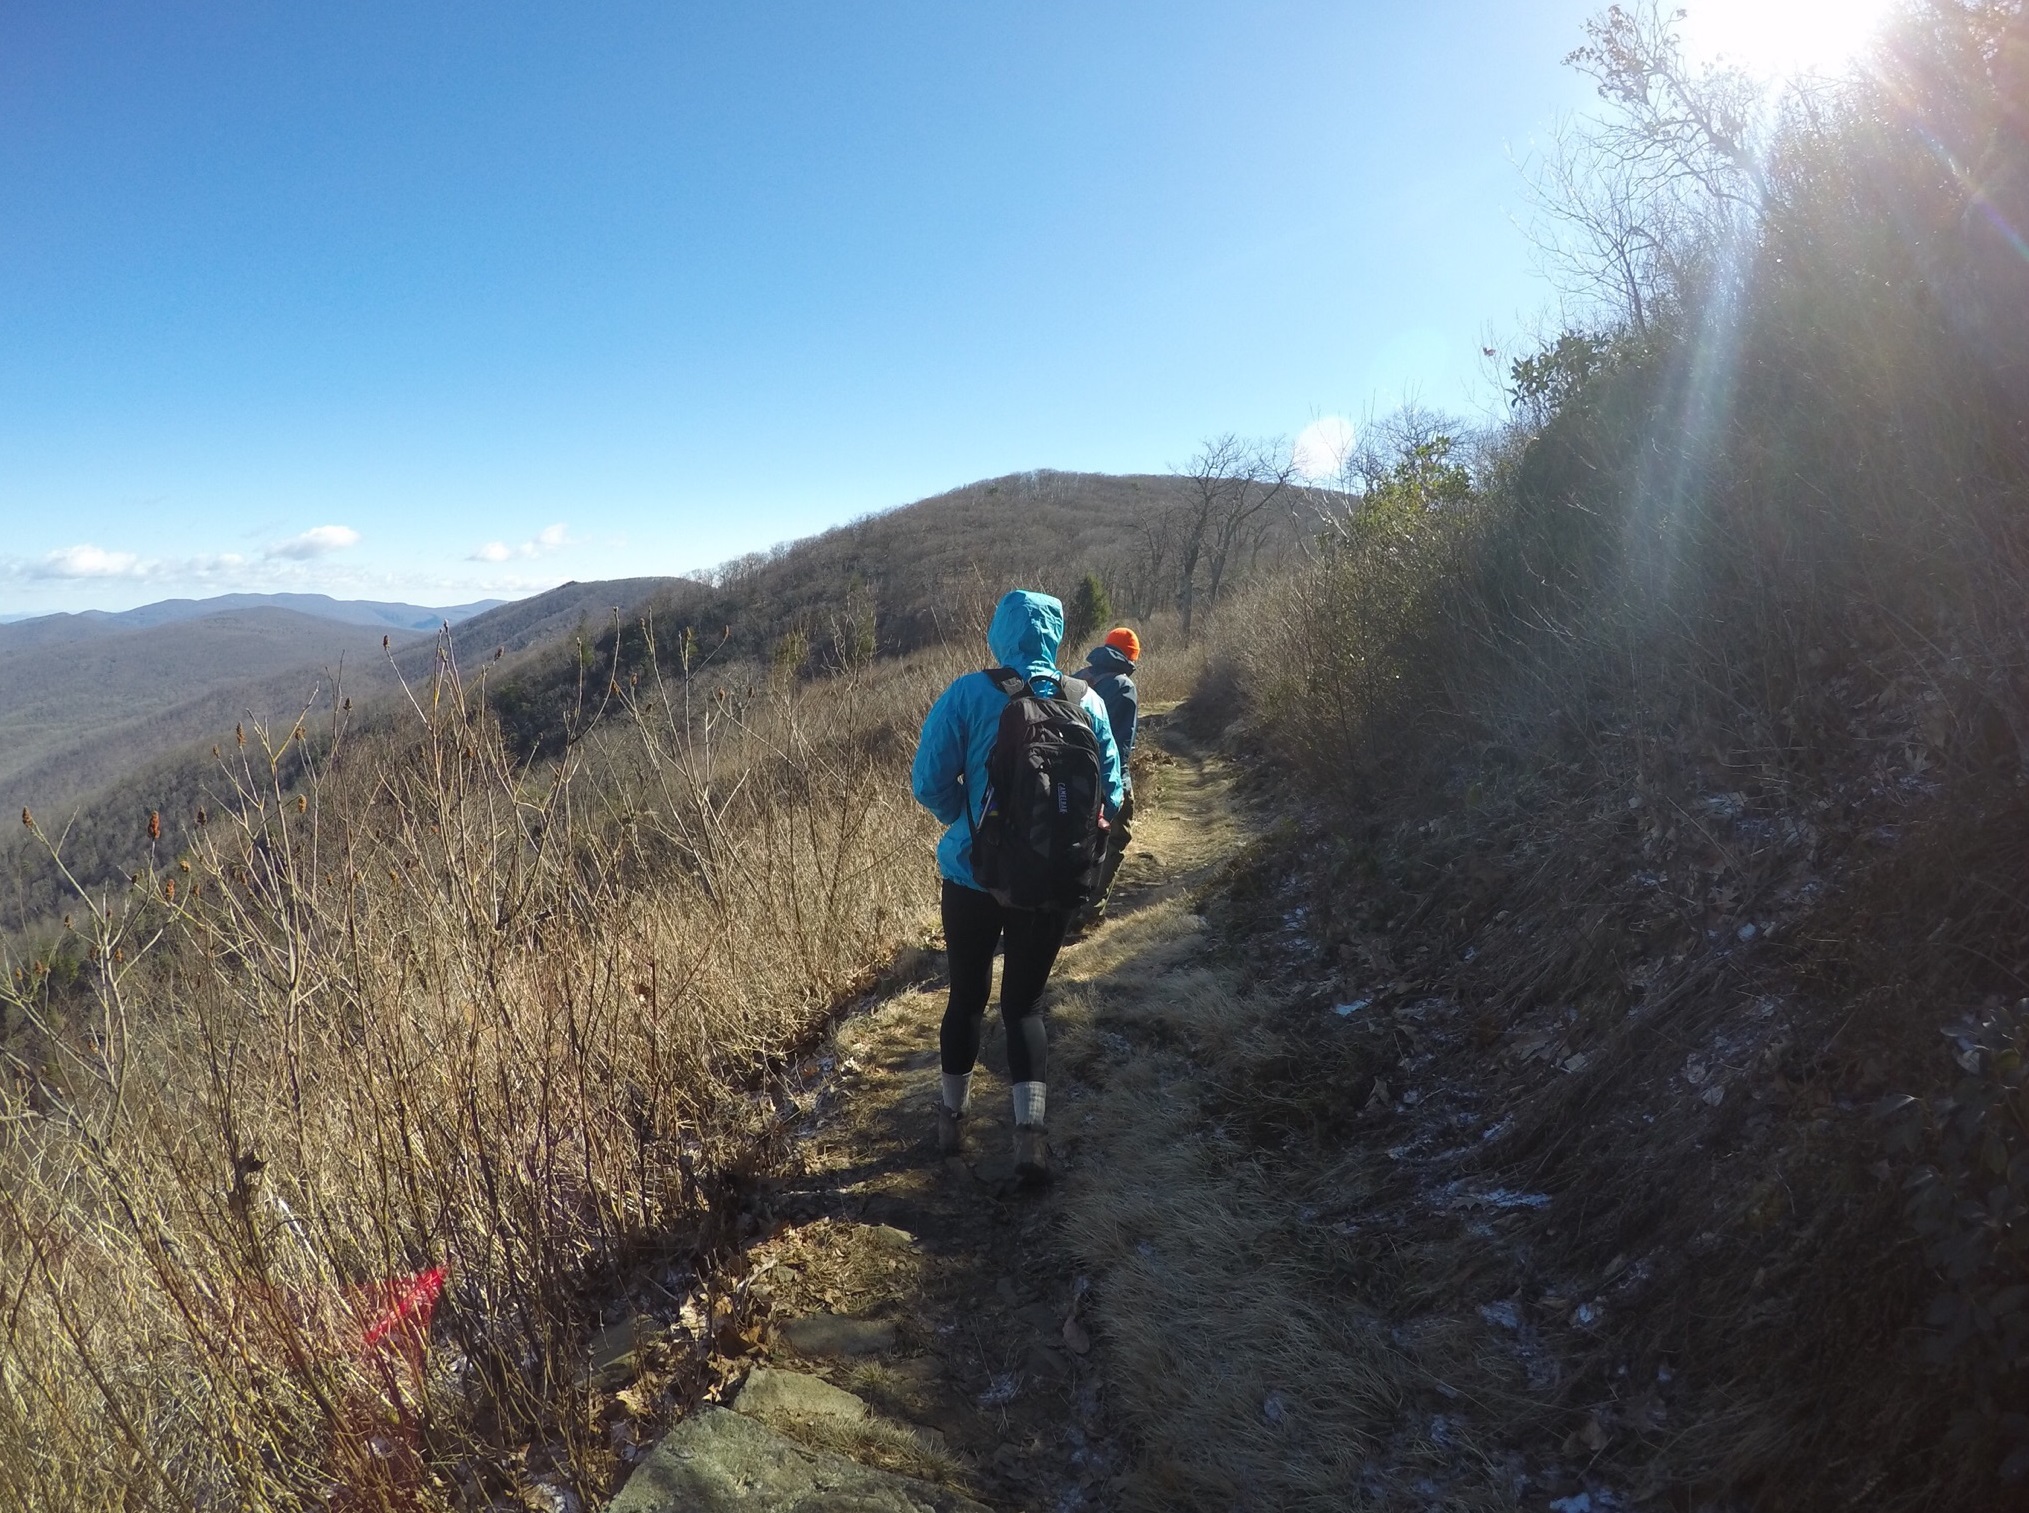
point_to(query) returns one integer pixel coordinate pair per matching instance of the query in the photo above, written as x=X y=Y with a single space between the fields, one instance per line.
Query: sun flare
x=1782 y=39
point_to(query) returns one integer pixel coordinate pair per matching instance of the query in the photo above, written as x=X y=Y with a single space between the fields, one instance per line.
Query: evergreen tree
x=1088 y=610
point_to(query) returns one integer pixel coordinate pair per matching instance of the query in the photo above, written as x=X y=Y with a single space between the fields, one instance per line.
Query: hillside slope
x=559 y=614
x=926 y=566
x=96 y=746
x=75 y=714
x=886 y=585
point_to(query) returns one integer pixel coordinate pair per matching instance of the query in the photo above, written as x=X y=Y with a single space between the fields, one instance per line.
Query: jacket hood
x=1104 y=659
x=1025 y=631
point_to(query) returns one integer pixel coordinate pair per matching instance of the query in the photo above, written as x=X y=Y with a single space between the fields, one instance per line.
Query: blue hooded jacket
x=959 y=731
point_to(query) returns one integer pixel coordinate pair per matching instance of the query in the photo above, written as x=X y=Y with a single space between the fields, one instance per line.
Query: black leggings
x=1117 y=837
x=974 y=923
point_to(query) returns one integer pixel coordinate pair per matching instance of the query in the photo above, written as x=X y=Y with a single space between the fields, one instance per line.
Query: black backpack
x=1037 y=842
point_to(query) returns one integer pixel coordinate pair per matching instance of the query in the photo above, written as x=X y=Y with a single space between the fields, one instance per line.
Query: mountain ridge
x=65 y=625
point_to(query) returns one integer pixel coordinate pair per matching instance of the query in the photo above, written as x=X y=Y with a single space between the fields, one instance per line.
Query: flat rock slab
x=833 y=1334
x=888 y=1237
x=718 y=1461
x=773 y=1395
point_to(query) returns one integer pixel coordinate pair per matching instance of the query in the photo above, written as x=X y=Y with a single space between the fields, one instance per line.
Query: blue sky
x=441 y=300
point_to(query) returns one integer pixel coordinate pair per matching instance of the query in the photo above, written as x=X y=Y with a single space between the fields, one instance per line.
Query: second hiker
x=1109 y=669
x=1020 y=764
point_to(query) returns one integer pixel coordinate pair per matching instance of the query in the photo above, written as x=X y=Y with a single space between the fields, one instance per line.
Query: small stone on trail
x=888 y=1237
x=1589 y=1436
x=773 y=1395
x=833 y=1334
x=609 y=1359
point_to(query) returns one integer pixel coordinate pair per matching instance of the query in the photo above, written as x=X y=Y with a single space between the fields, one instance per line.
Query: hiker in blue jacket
x=1109 y=671
x=949 y=779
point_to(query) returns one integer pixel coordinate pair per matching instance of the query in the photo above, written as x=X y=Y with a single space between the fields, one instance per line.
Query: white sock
x=1028 y=1102
x=957 y=1091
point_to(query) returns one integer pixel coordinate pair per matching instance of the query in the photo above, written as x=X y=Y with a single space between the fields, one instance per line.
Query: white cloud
x=87 y=561
x=549 y=539
x=1322 y=447
x=318 y=541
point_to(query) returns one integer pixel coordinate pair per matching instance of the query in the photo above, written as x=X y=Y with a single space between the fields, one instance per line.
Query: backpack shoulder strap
x=1073 y=690
x=1007 y=680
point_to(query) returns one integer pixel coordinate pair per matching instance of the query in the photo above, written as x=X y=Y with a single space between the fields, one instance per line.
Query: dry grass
x=1240 y=1354
x=423 y=1008
x=1253 y=1381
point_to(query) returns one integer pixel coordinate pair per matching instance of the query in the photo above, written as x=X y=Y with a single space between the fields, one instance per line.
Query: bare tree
x=1269 y=482
x=1633 y=198
x=1229 y=484
x=1609 y=239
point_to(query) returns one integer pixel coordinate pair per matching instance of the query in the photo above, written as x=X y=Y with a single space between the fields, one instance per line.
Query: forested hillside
x=922 y=575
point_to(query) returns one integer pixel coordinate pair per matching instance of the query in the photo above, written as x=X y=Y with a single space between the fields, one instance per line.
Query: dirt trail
x=948 y=1300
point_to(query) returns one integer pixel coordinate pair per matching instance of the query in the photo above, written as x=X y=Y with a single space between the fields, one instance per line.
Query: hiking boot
x=950 y=1131
x=1031 y=1154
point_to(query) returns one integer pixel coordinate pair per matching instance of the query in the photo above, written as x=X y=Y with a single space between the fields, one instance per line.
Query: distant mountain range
x=25 y=630
x=86 y=699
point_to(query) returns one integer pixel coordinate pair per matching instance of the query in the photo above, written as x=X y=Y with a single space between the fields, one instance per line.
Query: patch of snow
x=1504 y=1198
x=1502 y=1315
x=1001 y=1390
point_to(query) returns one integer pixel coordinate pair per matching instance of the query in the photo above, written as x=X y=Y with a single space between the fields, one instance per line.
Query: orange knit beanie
x=1124 y=641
